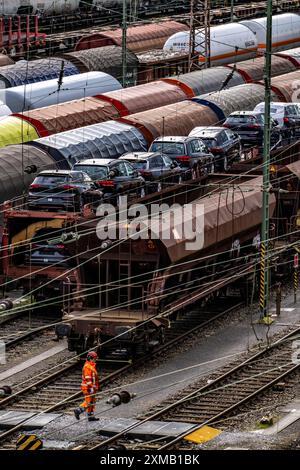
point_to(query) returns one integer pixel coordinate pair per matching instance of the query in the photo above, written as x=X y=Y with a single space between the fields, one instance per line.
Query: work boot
x=93 y=418
x=77 y=412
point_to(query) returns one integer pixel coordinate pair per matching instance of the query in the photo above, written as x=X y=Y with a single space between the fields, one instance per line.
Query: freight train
x=27 y=126
x=124 y=132
x=244 y=39
x=63 y=7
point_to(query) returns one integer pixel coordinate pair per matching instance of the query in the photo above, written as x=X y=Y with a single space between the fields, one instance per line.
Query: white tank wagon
x=228 y=43
x=285 y=31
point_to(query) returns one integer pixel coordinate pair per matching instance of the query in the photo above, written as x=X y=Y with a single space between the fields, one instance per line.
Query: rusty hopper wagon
x=136 y=282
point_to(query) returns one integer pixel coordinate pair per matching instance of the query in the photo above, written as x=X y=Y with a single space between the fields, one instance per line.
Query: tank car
x=227 y=42
x=42 y=7
x=285 y=31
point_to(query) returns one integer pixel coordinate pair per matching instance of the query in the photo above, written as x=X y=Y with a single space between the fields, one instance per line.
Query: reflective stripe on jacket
x=90 y=377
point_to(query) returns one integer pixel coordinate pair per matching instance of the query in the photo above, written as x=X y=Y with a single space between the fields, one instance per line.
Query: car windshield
x=210 y=142
x=244 y=119
x=170 y=148
x=52 y=179
x=139 y=165
x=275 y=110
x=94 y=171
x=292 y=110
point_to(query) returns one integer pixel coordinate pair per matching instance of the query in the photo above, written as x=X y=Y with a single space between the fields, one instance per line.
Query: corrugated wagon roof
x=253 y=70
x=70 y=115
x=106 y=140
x=287 y=85
x=108 y=59
x=174 y=119
x=139 y=38
x=15 y=131
x=239 y=98
x=36 y=71
x=13 y=159
x=144 y=97
x=205 y=81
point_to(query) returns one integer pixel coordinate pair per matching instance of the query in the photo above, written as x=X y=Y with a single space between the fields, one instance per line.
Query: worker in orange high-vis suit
x=89 y=387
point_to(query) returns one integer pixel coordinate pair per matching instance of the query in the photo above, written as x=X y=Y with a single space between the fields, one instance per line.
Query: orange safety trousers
x=89 y=401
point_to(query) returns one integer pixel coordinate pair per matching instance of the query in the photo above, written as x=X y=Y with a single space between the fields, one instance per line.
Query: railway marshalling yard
x=150 y=213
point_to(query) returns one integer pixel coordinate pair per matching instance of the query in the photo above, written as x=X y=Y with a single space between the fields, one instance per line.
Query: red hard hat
x=92 y=356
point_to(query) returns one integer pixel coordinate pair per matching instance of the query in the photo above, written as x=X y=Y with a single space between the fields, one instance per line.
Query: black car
x=155 y=168
x=58 y=190
x=224 y=144
x=287 y=116
x=190 y=152
x=249 y=125
x=113 y=177
x=44 y=249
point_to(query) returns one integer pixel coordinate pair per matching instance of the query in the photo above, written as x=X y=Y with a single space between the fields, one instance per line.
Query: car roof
x=139 y=155
x=55 y=172
x=245 y=113
x=275 y=103
x=60 y=173
x=202 y=131
x=172 y=138
x=96 y=161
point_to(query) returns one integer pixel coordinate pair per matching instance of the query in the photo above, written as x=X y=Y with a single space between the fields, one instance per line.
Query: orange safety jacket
x=90 y=378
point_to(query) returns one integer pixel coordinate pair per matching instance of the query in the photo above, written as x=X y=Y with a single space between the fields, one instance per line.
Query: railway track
x=17 y=330
x=218 y=15
x=209 y=404
x=60 y=389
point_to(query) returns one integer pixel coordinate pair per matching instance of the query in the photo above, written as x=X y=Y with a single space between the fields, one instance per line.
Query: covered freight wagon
x=174 y=119
x=143 y=97
x=253 y=70
x=13 y=161
x=287 y=87
x=79 y=113
x=24 y=72
x=15 y=131
x=205 y=81
x=292 y=54
x=70 y=115
x=107 y=59
x=106 y=140
x=139 y=38
x=39 y=95
x=240 y=98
